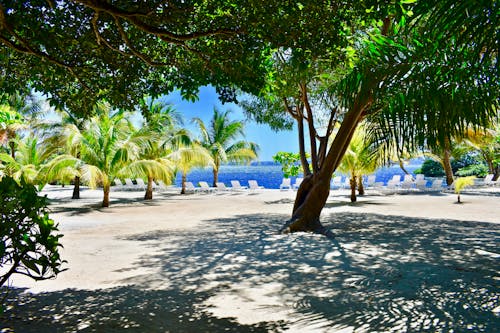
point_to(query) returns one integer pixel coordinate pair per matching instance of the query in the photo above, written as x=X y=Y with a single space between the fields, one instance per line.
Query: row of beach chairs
x=220 y=186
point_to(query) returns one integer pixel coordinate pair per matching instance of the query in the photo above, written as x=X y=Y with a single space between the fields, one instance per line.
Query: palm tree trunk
x=353 y=182
x=105 y=200
x=149 y=189
x=12 y=146
x=183 y=183
x=459 y=198
x=216 y=176
x=361 y=188
x=76 y=188
x=447 y=167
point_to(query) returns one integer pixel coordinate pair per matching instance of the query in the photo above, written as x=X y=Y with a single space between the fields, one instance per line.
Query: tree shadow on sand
x=380 y=274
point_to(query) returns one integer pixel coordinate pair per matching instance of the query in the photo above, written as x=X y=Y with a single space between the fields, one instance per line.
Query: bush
x=479 y=170
x=431 y=168
x=28 y=243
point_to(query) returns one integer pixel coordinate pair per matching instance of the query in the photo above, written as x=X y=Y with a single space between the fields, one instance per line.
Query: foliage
x=29 y=243
x=431 y=168
x=290 y=163
x=220 y=139
x=479 y=170
x=461 y=183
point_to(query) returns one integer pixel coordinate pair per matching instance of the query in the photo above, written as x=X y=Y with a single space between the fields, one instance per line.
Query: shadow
x=359 y=203
x=280 y=202
x=379 y=273
x=116 y=310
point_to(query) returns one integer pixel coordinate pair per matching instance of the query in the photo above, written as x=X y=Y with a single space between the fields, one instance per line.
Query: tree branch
x=312 y=130
x=136 y=19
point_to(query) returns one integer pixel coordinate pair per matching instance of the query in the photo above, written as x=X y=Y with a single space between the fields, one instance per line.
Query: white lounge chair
x=119 y=185
x=370 y=181
x=205 y=187
x=189 y=187
x=235 y=184
x=286 y=183
x=222 y=187
x=253 y=185
x=298 y=181
x=419 y=176
x=421 y=184
x=437 y=185
x=141 y=184
x=337 y=182
x=130 y=185
x=488 y=181
x=408 y=183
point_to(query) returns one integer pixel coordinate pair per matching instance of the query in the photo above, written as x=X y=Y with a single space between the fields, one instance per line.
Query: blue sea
x=269 y=174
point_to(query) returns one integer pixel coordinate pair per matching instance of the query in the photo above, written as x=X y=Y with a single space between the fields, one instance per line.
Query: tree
x=82 y=51
x=109 y=149
x=28 y=165
x=289 y=163
x=461 y=183
x=29 y=243
x=388 y=77
x=360 y=158
x=157 y=138
x=220 y=140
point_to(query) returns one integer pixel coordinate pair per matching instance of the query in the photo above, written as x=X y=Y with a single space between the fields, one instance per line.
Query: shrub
x=28 y=243
x=479 y=170
x=431 y=168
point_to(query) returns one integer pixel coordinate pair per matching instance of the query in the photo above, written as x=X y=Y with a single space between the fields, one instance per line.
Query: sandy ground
x=213 y=262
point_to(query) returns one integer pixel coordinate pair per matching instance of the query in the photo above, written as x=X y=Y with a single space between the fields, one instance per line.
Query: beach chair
x=437 y=185
x=396 y=180
x=286 y=183
x=421 y=184
x=253 y=185
x=370 y=181
x=337 y=182
x=220 y=186
x=298 y=181
x=408 y=183
x=235 y=184
x=205 y=187
x=419 y=176
x=189 y=187
x=119 y=185
x=141 y=185
x=129 y=184
x=488 y=181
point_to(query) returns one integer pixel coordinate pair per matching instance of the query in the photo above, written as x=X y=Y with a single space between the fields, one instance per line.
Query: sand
x=213 y=262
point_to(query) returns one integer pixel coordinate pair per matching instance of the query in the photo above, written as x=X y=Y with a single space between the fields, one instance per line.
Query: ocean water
x=270 y=175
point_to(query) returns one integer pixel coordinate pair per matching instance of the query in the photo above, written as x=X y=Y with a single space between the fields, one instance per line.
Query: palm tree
x=109 y=148
x=17 y=112
x=186 y=157
x=220 y=141
x=11 y=121
x=158 y=137
x=66 y=135
x=360 y=158
x=29 y=161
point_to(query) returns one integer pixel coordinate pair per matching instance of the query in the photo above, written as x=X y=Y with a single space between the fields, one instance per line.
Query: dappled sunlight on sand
x=379 y=274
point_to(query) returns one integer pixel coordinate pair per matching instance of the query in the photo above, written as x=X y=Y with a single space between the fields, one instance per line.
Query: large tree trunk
x=105 y=199
x=311 y=198
x=447 y=167
x=76 y=188
x=352 y=182
x=149 y=189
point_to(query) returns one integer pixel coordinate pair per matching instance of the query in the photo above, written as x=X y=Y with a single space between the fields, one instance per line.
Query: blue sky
x=270 y=142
